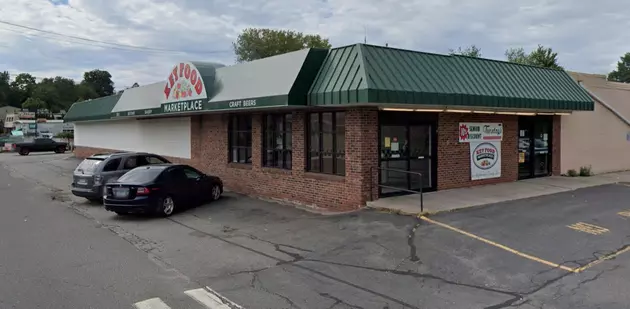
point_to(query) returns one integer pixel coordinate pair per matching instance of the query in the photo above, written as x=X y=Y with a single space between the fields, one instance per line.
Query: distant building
x=4 y=111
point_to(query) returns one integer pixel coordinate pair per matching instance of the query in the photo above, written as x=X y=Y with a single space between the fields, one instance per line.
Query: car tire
x=60 y=149
x=166 y=206
x=24 y=151
x=215 y=193
x=121 y=213
x=94 y=200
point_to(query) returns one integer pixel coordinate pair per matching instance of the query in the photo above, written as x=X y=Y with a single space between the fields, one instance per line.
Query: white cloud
x=589 y=36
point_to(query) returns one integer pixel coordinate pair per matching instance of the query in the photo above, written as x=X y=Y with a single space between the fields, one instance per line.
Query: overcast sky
x=589 y=36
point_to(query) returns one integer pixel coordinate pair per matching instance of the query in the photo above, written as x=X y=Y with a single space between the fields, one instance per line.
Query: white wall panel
x=167 y=137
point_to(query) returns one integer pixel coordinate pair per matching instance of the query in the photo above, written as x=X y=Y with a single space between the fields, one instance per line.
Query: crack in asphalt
x=260 y=286
x=338 y=301
x=411 y=237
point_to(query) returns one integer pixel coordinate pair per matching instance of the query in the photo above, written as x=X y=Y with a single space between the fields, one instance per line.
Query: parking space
x=571 y=229
x=265 y=255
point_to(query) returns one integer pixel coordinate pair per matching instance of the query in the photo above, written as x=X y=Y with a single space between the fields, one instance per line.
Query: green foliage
x=54 y=93
x=66 y=135
x=33 y=103
x=585 y=171
x=572 y=173
x=471 y=51
x=255 y=43
x=100 y=81
x=622 y=73
x=541 y=56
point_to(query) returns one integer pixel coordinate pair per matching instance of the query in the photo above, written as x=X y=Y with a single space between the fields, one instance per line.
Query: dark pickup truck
x=40 y=145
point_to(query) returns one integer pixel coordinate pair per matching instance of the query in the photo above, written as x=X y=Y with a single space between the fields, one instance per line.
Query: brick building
x=325 y=127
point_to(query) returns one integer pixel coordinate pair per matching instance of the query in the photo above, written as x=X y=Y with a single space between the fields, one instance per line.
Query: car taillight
x=142 y=191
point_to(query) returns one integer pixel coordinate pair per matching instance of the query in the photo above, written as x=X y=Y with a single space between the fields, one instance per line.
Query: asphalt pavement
x=568 y=250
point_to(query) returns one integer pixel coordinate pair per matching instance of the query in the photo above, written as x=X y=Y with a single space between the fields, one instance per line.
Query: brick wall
x=209 y=146
x=454 y=158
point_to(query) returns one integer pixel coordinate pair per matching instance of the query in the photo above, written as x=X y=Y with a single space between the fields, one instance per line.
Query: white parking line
x=211 y=299
x=153 y=303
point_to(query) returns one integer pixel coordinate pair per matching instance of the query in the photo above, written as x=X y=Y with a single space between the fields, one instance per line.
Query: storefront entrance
x=407 y=145
x=534 y=146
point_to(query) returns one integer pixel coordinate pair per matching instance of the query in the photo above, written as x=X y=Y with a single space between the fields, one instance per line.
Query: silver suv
x=95 y=171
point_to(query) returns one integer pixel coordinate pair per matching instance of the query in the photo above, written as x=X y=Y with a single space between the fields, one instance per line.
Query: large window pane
x=240 y=138
x=277 y=129
x=327 y=143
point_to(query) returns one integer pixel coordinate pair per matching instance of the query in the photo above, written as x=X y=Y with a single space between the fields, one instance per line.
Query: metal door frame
x=530 y=122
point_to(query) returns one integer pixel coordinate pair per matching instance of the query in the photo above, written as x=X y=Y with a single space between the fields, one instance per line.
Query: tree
x=471 y=51
x=622 y=73
x=33 y=104
x=100 y=81
x=255 y=43
x=541 y=56
x=46 y=92
x=22 y=87
x=5 y=88
x=517 y=55
x=85 y=92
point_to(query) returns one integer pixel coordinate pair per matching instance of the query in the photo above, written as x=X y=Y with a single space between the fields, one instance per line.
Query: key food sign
x=184 y=89
x=484 y=141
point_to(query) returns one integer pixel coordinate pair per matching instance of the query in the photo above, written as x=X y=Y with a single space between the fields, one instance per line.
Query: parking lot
x=567 y=250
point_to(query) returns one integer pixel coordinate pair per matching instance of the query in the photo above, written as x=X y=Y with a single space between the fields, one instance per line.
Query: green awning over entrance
x=372 y=74
x=96 y=109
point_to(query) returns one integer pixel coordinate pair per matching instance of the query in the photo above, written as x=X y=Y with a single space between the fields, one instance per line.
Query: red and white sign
x=184 y=83
x=485 y=160
x=480 y=132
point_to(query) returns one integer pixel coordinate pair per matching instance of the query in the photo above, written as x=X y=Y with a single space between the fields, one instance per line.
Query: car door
x=179 y=186
x=196 y=184
x=111 y=170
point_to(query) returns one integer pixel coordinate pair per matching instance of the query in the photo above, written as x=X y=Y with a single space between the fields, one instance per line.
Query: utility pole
x=364 y=34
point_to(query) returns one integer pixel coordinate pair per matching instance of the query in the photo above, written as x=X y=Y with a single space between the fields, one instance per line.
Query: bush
x=66 y=135
x=585 y=171
x=572 y=173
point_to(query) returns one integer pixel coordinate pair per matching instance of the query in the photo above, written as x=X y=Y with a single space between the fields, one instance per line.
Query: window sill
x=326 y=177
x=242 y=166
x=275 y=170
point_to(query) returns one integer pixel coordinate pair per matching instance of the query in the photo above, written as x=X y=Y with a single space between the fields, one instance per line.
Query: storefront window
x=277 y=143
x=327 y=143
x=240 y=138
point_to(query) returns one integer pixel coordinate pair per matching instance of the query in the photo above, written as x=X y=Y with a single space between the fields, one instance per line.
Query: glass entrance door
x=406 y=148
x=534 y=147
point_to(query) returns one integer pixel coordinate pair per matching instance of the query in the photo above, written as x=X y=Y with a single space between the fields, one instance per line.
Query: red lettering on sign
x=167 y=91
x=198 y=86
x=174 y=76
x=187 y=71
x=193 y=77
x=181 y=69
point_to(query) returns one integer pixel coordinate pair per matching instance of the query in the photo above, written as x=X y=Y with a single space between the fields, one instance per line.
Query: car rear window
x=88 y=166
x=140 y=175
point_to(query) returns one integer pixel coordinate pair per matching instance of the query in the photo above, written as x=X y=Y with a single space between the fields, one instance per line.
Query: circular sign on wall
x=485 y=156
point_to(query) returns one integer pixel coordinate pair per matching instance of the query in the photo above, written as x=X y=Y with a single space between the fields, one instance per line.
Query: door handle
x=421 y=157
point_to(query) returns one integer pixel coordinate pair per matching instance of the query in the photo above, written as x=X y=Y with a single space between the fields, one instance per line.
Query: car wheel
x=94 y=200
x=215 y=193
x=121 y=213
x=24 y=152
x=167 y=206
x=61 y=149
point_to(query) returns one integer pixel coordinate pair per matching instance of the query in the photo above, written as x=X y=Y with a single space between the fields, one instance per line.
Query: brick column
x=556 y=156
x=298 y=143
x=256 y=141
x=361 y=153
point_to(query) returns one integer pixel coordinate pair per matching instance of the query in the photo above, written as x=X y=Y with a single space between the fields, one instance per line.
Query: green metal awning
x=96 y=109
x=372 y=74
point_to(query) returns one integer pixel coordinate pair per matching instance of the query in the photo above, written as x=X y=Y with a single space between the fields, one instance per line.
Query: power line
x=112 y=45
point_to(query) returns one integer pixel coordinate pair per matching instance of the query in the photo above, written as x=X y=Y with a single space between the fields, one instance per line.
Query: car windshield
x=88 y=166
x=140 y=175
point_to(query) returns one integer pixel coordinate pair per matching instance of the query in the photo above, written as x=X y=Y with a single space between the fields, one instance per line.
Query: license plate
x=82 y=182
x=120 y=192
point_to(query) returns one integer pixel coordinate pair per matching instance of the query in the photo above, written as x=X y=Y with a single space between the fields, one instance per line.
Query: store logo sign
x=480 y=132
x=485 y=156
x=184 y=83
x=186 y=106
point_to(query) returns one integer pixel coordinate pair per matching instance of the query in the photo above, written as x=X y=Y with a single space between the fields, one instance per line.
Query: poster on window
x=485 y=160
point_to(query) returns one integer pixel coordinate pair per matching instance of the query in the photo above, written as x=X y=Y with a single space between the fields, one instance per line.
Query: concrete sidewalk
x=448 y=200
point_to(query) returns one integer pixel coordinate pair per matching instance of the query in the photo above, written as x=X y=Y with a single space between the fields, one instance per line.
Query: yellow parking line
x=604 y=258
x=625 y=213
x=500 y=246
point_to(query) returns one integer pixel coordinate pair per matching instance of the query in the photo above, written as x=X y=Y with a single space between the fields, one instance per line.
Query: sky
x=140 y=40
